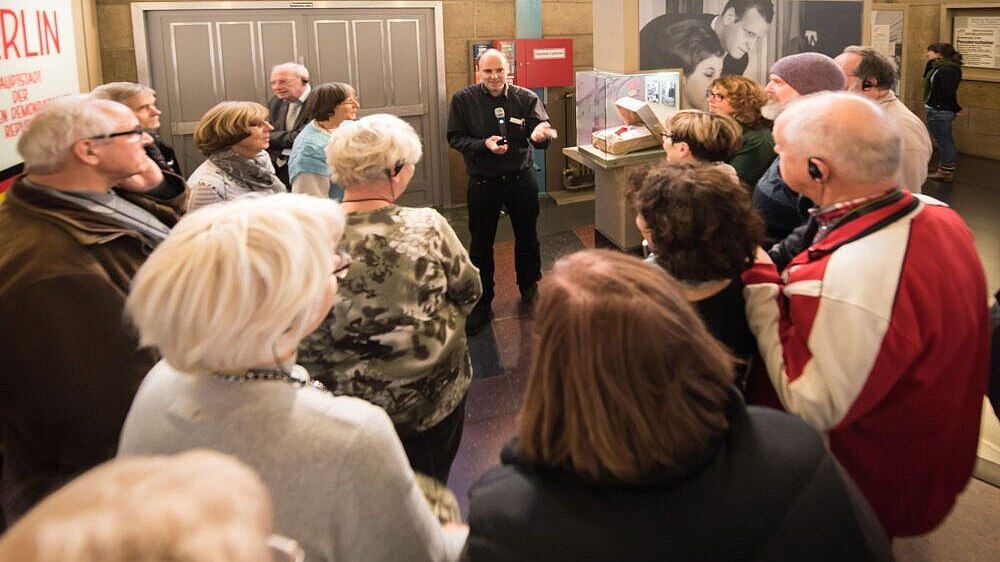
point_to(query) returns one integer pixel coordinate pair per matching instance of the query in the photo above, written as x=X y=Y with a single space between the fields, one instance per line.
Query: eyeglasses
x=345 y=263
x=667 y=137
x=284 y=549
x=714 y=96
x=131 y=136
x=352 y=101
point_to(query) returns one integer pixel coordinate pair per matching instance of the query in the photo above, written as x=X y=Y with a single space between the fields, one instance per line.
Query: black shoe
x=477 y=320
x=528 y=294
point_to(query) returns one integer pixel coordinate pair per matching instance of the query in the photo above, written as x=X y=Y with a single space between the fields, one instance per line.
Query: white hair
x=236 y=283
x=48 y=138
x=371 y=147
x=199 y=505
x=847 y=131
x=298 y=69
x=120 y=92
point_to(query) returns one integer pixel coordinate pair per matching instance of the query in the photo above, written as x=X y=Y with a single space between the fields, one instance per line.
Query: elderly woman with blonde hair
x=199 y=506
x=243 y=283
x=234 y=135
x=631 y=437
x=396 y=334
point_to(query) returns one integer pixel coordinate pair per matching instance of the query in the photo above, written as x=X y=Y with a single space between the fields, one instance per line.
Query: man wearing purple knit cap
x=782 y=209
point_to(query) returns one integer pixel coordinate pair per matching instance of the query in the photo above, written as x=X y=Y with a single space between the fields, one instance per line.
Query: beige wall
x=464 y=21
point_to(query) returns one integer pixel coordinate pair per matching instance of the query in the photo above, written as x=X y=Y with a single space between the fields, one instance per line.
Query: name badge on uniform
x=517 y=121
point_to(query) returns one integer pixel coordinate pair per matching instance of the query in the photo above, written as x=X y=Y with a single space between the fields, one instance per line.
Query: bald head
x=848 y=136
x=493 y=68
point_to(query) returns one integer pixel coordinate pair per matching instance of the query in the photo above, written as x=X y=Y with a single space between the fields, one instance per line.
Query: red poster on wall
x=37 y=65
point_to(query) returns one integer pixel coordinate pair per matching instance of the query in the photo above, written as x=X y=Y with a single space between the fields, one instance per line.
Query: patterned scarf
x=250 y=172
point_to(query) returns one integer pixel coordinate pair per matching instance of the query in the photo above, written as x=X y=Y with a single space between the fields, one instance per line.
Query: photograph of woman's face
x=699 y=80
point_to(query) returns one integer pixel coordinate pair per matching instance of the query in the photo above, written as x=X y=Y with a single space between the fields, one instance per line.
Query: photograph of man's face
x=740 y=33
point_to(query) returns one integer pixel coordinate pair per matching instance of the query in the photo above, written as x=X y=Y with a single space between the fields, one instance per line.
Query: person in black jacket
x=632 y=443
x=942 y=75
x=496 y=126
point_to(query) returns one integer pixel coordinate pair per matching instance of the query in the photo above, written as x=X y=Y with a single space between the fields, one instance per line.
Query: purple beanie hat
x=809 y=72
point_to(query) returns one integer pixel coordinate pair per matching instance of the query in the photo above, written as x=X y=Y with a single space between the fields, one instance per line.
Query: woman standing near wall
x=942 y=75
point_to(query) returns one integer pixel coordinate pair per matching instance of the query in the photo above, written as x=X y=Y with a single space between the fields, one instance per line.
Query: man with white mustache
x=790 y=78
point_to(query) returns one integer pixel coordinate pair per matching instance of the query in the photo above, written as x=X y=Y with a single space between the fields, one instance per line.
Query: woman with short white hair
x=396 y=334
x=226 y=300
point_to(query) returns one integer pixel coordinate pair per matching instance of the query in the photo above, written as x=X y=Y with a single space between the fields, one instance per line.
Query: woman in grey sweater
x=243 y=283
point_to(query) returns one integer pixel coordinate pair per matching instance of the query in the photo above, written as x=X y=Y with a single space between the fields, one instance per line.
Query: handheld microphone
x=500 y=114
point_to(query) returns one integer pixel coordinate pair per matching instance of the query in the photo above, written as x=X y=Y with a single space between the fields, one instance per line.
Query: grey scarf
x=250 y=172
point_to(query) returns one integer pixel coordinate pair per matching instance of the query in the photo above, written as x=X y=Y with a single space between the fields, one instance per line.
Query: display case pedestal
x=613 y=217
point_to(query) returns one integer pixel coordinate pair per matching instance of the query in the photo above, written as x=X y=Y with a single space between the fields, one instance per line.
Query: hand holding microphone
x=498 y=144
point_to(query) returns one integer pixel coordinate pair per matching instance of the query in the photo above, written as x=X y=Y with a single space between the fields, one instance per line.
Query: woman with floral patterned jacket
x=396 y=333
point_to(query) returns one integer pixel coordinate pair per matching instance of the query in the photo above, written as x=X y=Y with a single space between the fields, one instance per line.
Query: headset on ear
x=814 y=172
x=395 y=171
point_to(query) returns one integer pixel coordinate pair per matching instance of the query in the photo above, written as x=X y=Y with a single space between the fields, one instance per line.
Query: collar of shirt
x=830 y=216
x=305 y=94
x=485 y=90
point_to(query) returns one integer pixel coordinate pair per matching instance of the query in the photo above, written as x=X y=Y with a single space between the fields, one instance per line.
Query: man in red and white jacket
x=877 y=333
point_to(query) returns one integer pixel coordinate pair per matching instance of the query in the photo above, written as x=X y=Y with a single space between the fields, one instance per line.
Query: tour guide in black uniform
x=498 y=159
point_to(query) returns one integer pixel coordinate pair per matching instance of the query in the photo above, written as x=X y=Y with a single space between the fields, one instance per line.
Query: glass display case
x=621 y=115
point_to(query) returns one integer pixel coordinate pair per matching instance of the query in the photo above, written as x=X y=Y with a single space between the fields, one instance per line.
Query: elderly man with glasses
x=75 y=228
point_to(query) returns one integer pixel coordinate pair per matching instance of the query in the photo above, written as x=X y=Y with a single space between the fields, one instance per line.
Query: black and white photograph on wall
x=708 y=38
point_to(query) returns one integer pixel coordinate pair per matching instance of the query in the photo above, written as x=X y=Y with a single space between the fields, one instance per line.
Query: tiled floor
x=501 y=354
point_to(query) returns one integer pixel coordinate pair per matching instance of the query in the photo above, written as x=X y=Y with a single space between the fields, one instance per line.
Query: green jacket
x=756 y=155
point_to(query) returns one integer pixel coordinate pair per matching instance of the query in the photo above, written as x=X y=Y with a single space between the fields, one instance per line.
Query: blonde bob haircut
x=711 y=138
x=625 y=379
x=236 y=285
x=371 y=149
x=226 y=124
x=199 y=506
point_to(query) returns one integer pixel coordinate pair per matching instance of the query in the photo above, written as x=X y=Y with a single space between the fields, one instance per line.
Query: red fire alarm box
x=544 y=63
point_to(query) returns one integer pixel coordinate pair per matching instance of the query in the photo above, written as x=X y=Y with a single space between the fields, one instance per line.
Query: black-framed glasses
x=667 y=137
x=132 y=135
x=340 y=272
x=714 y=96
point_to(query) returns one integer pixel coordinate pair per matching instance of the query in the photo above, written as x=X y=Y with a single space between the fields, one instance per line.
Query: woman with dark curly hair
x=741 y=98
x=689 y=45
x=701 y=228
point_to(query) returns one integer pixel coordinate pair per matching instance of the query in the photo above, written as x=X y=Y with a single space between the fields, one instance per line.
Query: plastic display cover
x=601 y=110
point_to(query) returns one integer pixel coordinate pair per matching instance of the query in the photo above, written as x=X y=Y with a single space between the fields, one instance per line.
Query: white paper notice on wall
x=881 y=41
x=978 y=39
x=541 y=54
